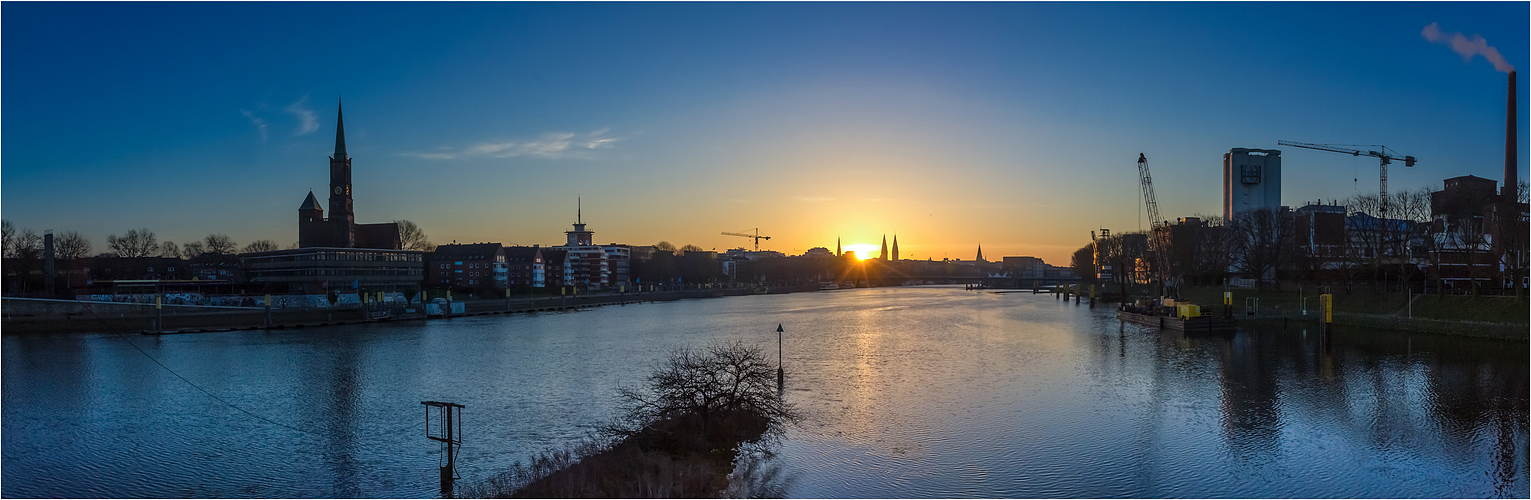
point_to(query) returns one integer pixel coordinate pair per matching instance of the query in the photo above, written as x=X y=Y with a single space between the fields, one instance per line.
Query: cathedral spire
x=884 y=255
x=837 y=246
x=340 y=132
x=895 y=246
x=980 y=253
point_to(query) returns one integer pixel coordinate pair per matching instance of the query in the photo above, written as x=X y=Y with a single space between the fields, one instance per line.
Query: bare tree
x=716 y=385
x=192 y=250
x=411 y=237
x=665 y=246
x=261 y=246
x=1514 y=237
x=7 y=239
x=170 y=250
x=1262 y=244
x=136 y=243
x=1413 y=243
x=70 y=245
x=29 y=245
x=219 y=244
x=690 y=248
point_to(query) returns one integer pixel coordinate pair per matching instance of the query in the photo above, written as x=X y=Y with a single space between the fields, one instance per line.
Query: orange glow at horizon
x=863 y=251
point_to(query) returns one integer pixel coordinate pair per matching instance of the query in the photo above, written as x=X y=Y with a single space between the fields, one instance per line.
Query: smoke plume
x=1466 y=47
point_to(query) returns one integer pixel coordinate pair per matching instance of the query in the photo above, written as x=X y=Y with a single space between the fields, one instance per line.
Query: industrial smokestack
x=1510 y=154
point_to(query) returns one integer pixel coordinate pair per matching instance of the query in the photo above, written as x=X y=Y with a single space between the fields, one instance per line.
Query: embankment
x=26 y=316
x=1495 y=317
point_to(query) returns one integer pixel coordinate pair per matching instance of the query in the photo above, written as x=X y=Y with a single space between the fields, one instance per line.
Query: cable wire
x=209 y=393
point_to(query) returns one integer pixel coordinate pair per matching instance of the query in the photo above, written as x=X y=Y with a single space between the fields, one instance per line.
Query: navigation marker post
x=449 y=432
x=780 y=375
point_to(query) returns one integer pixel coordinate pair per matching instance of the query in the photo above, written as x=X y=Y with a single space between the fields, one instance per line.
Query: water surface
x=910 y=392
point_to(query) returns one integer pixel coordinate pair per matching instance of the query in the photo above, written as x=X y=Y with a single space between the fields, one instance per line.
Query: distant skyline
x=1014 y=125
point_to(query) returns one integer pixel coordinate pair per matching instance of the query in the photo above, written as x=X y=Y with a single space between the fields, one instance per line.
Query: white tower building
x=1251 y=180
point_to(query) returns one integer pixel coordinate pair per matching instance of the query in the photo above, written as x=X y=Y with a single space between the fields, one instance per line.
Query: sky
x=1016 y=126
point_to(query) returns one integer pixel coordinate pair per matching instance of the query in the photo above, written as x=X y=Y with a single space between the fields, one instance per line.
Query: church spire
x=837 y=246
x=895 y=246
x=884 y=255
x=340 y=132
x=980 y=253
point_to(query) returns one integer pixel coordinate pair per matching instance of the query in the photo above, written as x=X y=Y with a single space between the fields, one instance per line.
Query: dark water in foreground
x=911 y=392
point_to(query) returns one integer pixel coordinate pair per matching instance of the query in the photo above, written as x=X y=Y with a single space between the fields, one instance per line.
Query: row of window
x=338 y=256
x=398 y=272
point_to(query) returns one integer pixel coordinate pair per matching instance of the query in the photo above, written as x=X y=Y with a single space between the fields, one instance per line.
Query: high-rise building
x=1251 y=180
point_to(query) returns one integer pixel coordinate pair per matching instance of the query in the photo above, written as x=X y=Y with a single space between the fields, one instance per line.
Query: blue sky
x=1014 y=125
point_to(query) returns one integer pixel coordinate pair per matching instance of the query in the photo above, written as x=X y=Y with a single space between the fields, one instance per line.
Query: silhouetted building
x=1023 y=267
x=344 y=270
x=336 y=253
x=340 y=229
x=555 y=268
x=1478 y=234
x=478 y=266
x=895 y=246
x=523 y=268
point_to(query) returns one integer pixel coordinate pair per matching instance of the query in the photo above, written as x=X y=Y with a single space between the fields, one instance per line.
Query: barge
x=1199 y=324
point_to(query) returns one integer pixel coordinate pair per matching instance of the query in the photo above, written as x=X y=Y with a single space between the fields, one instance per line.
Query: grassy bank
x=678 y=437
x=675 y=458
x=1476 y=316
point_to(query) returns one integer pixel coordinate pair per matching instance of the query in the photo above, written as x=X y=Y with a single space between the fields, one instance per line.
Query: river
x=909 y=392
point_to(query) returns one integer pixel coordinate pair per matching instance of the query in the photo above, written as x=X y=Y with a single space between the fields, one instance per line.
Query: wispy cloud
x=552 y=145
x=260 y=123
x=308 y=122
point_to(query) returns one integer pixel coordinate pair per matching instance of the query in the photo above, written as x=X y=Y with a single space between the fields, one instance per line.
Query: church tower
x=884 y=254
x=341 y=211
x=837 y=246
x=895 y=246
x=980 y=253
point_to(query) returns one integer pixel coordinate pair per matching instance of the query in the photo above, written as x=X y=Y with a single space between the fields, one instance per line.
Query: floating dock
x=1202 y=324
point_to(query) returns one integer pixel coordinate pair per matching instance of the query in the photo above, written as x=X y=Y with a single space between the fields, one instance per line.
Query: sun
x=863 y=251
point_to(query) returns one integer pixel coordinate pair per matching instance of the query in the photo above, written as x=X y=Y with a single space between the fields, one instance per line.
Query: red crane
x=1159 y=231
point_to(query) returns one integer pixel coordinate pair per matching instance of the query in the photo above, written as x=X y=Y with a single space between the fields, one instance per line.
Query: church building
x=335 y=254
x=340 y=230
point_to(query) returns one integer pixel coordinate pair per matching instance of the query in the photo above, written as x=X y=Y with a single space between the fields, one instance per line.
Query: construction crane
x=1159 y=232
x=1381 y=154
x=756 y=236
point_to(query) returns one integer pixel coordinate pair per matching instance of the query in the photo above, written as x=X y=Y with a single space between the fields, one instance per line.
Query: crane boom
x=1158 y=235
x=756 y=236
x=1382 y=156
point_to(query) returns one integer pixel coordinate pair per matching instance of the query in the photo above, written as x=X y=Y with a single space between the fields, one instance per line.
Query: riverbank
x=1493 y=317
x=672 y=459
x=33 y=316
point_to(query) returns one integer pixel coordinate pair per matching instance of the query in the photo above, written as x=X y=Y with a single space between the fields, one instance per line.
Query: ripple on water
x=909 y=392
